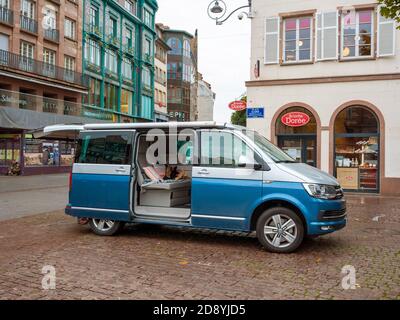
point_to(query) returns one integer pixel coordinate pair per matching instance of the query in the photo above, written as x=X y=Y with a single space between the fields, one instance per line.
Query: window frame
x=104 y=134
x=357 y=44
x=297 y=17
x=257 y=157
x=28 y=45
x=94 y=53
x=70 y=27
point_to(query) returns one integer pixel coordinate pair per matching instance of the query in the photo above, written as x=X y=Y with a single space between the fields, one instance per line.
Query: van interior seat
x=162 y=193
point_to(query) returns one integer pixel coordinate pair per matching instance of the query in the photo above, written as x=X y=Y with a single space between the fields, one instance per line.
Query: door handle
x=203 y=171
x=122 y=170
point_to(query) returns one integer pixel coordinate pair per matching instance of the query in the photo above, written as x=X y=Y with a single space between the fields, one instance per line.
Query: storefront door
x=302 y=148
x=357 y=149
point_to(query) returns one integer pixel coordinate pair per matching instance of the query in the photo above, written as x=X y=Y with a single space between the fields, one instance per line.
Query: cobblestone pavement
x=153 y=262
x=34 y=194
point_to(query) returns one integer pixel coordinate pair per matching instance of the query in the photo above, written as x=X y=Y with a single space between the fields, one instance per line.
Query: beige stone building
x=327 y=75
x=205 y=100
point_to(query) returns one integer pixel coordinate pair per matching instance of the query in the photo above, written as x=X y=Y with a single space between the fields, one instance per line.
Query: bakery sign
x=295 y=119
x=238 y=105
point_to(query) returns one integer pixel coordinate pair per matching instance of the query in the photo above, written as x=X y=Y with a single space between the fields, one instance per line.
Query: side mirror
x=246 y=161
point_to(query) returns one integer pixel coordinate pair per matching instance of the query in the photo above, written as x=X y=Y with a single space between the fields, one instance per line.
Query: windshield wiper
x=285 y=161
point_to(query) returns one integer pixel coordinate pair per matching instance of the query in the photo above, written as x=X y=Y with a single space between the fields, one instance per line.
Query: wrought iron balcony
x=94 y=29
x=147 y=58
x=6 y=16
x=28 y=24
x=17 y=62
x=52 y=35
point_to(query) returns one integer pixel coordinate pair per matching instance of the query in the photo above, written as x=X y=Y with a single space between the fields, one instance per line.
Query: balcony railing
x=128 y=49
x=26 y=101
x=17 y=62
x=147 y=58
x=94 y=29
x=6 y=16
x=52 y=35
x=28 y=24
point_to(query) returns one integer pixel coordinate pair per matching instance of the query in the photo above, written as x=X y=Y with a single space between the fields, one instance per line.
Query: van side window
x=104 y=148
x=222 y=149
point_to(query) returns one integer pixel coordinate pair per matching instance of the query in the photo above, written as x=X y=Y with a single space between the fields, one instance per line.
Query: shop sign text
x=295 y=119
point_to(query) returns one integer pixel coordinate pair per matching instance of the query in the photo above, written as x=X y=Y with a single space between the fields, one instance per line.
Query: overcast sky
x=224 y=51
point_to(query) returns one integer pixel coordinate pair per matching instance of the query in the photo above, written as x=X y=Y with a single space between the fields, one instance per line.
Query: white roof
x=149 y=125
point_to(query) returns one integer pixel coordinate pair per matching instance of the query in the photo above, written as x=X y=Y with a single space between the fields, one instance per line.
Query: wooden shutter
x=272 y=41
x=327 y=36
x=386 y=36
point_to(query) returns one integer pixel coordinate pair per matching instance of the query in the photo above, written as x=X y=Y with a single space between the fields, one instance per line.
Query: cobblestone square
x=153 y=262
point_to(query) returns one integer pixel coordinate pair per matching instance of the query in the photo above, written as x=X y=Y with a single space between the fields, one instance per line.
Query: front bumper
x=331 y=216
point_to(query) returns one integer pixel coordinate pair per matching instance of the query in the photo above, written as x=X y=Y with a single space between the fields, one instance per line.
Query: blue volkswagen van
x=201 y=175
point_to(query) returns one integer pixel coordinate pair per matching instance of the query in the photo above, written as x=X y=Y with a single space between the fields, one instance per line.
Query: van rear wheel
x=103 y=227
x=280 y=230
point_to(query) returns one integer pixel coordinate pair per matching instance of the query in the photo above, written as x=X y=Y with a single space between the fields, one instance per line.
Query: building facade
x=119 y=43
x=160 y=78
x=205 y=100
x=40 y=78
x=328 y=77
x=70 y=61
x=181 y=74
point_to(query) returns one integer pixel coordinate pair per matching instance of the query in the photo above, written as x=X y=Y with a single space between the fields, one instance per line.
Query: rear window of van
x=104 y=148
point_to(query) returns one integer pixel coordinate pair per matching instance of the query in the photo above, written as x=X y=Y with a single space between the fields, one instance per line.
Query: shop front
x=357 y=149
x=355 y=143
x=21 y=154
x=296 y=132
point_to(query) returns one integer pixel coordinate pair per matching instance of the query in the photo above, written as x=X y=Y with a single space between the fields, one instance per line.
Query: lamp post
x=217 y=10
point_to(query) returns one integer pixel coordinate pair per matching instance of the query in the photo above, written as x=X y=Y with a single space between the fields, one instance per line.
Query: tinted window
x=223 y=149
x=104 y=148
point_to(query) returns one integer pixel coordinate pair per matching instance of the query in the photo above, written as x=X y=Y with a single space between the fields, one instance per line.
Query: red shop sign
x=295 y=119
x=238 y=105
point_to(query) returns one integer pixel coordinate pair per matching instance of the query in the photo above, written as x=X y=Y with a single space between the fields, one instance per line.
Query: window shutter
x=386 y=36
x=272 y=40
x=327 y=36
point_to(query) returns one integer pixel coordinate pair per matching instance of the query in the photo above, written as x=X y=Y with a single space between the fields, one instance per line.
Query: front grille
x=333 y=214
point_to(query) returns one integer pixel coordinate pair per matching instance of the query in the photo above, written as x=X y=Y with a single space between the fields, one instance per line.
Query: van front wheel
x=280 y=230
x=103 y=227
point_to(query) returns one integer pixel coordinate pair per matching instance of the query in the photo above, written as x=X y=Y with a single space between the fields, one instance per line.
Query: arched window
x=357 y=149
x=356 y=119
x=176 y=46
x=296 y=130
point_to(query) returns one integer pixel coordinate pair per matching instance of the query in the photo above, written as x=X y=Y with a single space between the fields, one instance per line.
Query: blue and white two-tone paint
x=281 y=200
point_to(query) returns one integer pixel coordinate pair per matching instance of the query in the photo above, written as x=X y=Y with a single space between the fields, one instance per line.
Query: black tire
x=111 y=230
x=289 y=238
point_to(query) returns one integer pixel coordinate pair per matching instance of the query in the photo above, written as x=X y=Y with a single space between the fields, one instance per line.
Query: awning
x=13 y=118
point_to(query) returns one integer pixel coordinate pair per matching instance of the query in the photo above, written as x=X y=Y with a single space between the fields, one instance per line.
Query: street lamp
x=216 y=8
x=217 y=11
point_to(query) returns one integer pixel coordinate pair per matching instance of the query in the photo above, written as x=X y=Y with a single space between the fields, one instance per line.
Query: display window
x=357 y=149
x=296 y=131
x=10 y=146
x=48 y=153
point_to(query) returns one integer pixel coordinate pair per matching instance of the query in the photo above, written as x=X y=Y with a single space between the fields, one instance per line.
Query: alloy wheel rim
x=102 y=224
x=280 y=231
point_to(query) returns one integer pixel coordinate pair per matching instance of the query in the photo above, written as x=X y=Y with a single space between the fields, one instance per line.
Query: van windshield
x=276 y=154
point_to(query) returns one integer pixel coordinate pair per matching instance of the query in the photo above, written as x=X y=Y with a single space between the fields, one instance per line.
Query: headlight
x=321 y=191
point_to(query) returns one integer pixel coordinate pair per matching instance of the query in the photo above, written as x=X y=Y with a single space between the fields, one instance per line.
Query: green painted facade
x=118 y=57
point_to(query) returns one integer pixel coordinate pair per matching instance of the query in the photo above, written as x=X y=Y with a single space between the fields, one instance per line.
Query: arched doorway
x=296 y=130
x=357 y=149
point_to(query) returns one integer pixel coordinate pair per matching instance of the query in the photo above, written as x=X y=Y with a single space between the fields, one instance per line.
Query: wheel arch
x=272 y=203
